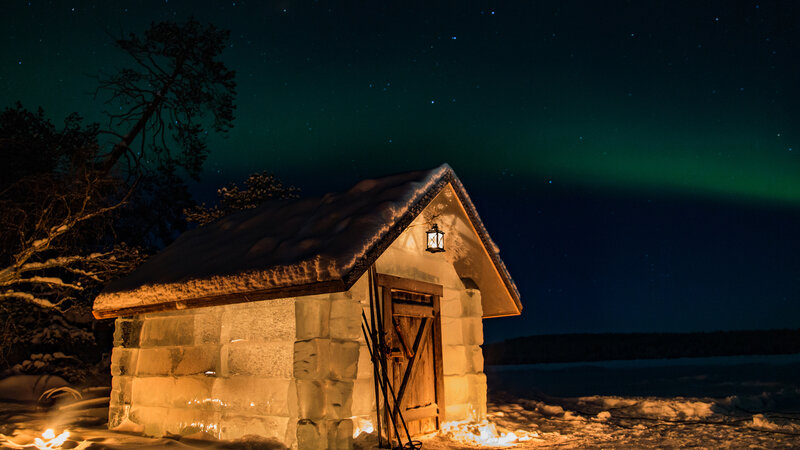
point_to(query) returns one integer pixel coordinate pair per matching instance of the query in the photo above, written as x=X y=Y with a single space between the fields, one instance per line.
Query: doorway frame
x=388 y=283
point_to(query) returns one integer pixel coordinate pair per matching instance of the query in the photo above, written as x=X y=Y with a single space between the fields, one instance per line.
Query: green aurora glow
x=554 y=98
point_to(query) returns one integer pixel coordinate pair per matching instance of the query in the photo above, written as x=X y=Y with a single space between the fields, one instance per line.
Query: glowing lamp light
x=435 y=241
x=52 y=442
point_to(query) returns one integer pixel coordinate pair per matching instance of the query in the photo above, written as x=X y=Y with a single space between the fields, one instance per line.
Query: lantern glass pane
x=432 y=240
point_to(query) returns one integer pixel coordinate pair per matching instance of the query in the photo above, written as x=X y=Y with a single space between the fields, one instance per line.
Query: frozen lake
x=776 y=376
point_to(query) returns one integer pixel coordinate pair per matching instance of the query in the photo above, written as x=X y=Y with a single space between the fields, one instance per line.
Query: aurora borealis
x=637 y=162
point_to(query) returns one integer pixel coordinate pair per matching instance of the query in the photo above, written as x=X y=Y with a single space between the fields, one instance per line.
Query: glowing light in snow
x=483 y=433
x=52 y=441
x=362 y=426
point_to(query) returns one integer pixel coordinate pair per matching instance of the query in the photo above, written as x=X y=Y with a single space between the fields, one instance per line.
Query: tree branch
x=49 y=281
x=29 y=298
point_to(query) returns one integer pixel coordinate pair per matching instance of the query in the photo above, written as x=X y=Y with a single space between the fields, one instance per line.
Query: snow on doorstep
x=282 y=243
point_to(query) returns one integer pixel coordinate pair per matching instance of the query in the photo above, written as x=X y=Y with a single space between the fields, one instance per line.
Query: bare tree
x=54 y=211
x=76 y=201
x=177 y=83
x=62 y=189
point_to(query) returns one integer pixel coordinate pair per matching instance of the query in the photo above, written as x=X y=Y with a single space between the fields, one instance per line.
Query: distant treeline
x=603 y=347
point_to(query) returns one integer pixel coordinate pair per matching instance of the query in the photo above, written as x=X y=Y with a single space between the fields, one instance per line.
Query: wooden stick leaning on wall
x=375 y=345
x=378 y=353
x=378 y=384
x=380 y=339
x=380 y=314
x=373 y=352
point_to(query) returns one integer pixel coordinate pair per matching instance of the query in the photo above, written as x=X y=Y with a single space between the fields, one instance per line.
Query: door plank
x=407 y=284
x=405 y=309
x=409 y=352
x=422 y=412
x=411 y=368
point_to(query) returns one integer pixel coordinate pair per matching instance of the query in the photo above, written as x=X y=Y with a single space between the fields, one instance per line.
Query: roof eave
x=322 y=287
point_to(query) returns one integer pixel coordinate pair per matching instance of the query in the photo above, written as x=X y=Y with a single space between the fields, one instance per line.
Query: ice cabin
x=252 y=324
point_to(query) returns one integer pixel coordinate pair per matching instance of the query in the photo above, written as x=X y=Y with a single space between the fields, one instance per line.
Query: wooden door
x=413 y=335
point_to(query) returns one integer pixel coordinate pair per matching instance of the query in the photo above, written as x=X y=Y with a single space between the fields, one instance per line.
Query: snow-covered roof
x=295 y=247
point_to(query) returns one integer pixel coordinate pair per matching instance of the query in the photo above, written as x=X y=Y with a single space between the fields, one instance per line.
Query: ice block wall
x=281 y=369
x=221 y=372
x=462 y=356
x=325 y=368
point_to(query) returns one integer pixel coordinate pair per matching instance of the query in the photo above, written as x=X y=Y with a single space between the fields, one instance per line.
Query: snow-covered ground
x=711 y=403
x=748 y=401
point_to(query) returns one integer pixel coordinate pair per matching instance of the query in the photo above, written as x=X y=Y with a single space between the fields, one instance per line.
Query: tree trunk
x=123 y=145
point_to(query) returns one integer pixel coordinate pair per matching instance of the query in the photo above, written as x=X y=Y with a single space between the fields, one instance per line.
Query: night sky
x=638 y=163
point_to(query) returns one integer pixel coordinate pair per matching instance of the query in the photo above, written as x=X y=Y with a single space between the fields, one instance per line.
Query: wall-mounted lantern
x=435 y=241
